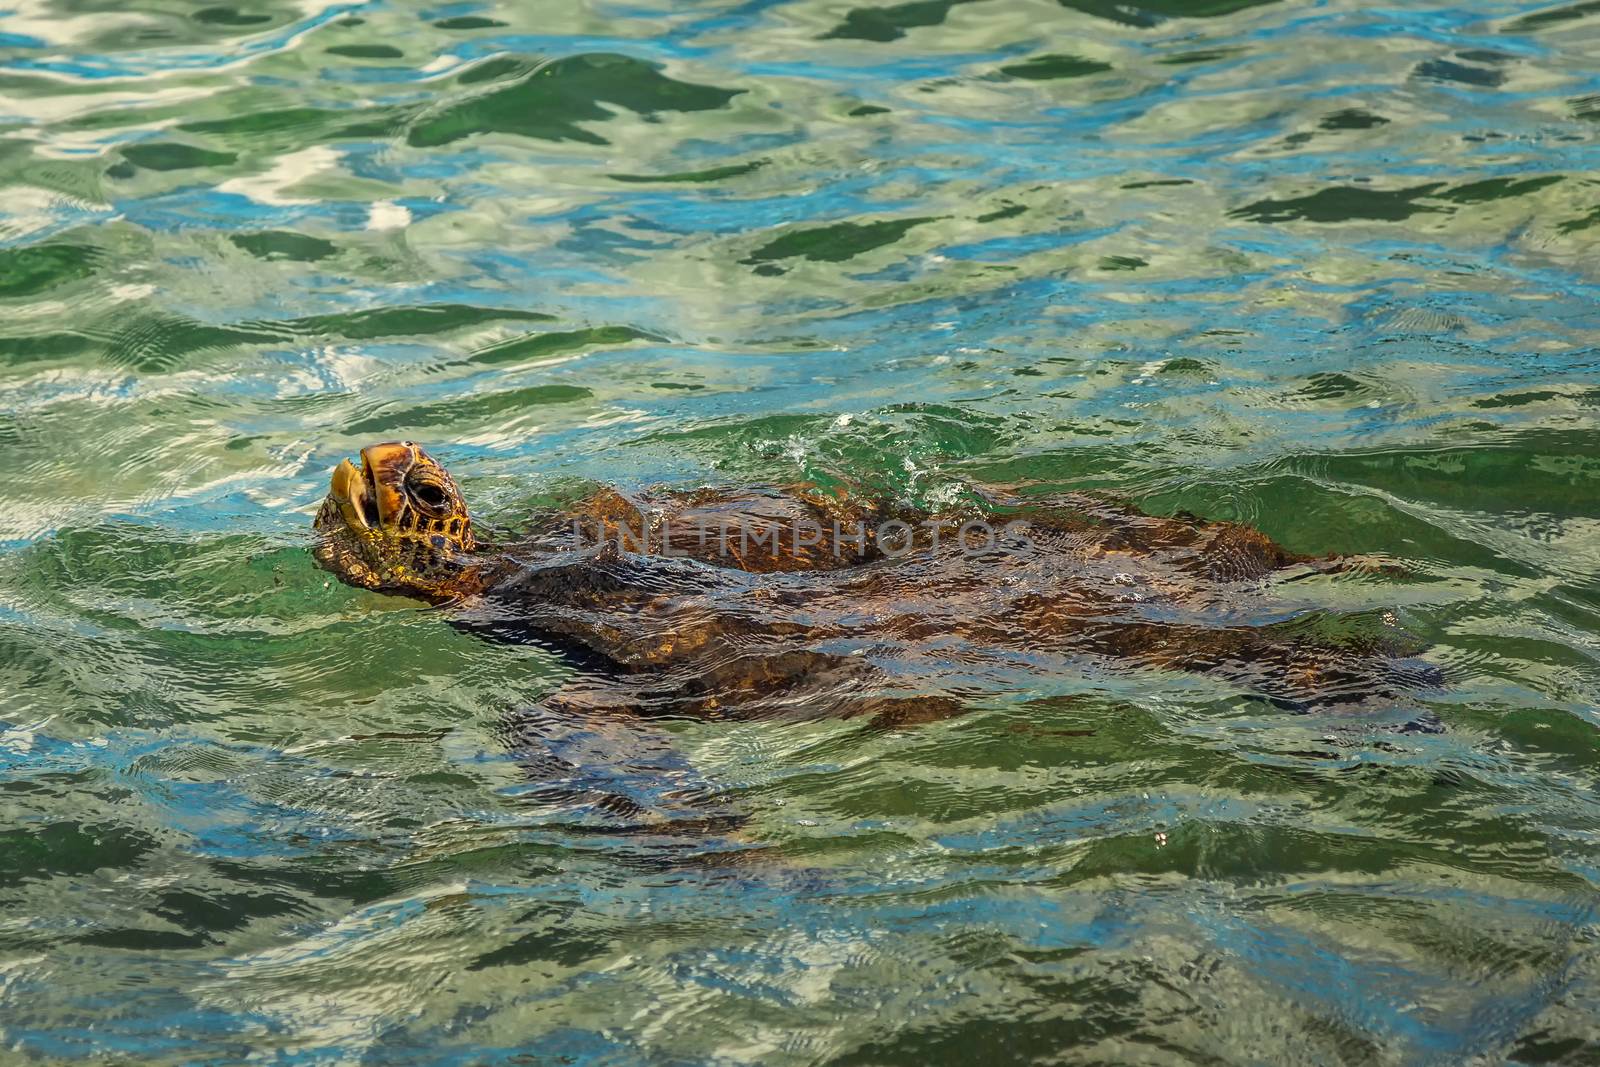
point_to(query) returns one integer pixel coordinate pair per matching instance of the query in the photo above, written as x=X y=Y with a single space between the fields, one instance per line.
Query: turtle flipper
x=602 y=768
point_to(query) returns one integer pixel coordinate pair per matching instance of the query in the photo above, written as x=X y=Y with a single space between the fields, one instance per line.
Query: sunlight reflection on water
x=1323 y=268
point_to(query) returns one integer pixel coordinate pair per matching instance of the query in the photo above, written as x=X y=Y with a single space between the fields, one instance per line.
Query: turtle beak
x=385 y=468
x=372 y=496
x=350 y=491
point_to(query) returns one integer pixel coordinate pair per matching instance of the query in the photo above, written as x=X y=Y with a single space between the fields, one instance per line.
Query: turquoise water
x=1326 y=268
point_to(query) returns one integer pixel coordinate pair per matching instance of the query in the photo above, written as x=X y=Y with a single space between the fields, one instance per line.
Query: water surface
x=1326 y=268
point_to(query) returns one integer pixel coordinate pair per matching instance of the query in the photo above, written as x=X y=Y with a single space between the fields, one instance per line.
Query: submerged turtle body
x=789 y=602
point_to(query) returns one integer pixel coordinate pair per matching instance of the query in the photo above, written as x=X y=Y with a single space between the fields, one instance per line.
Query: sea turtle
x=789 y=601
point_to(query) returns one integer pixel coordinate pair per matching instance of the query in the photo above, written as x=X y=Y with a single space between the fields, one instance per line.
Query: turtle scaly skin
x=398 y=524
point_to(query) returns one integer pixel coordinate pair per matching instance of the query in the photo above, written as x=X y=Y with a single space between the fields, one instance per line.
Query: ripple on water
x=1328 y=270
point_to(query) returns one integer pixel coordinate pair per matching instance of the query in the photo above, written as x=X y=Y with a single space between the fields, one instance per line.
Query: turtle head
x=397 y=524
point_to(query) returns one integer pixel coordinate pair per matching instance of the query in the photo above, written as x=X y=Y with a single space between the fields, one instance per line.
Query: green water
x=1320 y=267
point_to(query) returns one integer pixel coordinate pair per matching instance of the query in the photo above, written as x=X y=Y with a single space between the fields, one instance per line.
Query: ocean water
x=1328 y=268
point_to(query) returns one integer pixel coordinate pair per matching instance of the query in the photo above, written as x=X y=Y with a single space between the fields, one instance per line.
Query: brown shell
x=715 y=603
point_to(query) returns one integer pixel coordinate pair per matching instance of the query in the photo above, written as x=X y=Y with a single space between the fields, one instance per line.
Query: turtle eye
x=430 y=495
